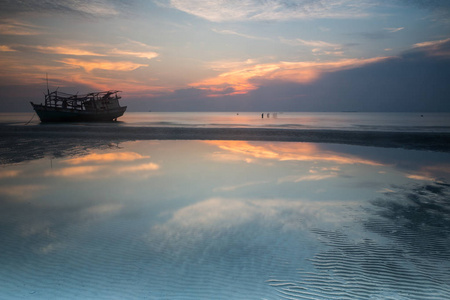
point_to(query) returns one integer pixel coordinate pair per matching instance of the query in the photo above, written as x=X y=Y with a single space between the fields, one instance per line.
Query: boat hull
x=56 y=114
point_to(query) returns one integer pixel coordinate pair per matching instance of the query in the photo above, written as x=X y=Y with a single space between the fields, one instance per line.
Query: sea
x=87 y=215
x=353 y=121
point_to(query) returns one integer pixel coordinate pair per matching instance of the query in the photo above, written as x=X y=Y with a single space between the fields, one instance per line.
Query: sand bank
x=438 y=141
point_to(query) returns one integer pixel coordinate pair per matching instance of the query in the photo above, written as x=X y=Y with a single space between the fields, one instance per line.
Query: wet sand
x=433 y=141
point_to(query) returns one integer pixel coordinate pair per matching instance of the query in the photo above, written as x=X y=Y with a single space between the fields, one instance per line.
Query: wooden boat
x=62 y=107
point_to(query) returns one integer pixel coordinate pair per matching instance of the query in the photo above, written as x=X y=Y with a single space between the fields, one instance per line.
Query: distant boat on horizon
x=92 y=107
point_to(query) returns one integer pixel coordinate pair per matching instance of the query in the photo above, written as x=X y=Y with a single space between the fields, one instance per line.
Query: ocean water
x=191 y=219
x=354 y=121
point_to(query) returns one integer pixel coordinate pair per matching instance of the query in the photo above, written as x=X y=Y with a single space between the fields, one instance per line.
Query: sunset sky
x=247 y=55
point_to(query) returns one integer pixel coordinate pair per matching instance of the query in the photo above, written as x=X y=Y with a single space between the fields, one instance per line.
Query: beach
x=201 y=211
x=405 y=130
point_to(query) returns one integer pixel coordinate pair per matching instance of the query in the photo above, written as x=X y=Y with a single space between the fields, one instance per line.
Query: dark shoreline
x=432 y=141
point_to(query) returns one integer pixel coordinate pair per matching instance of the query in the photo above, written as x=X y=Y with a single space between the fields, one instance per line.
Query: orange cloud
x=16 y=27
x=141 y=54
x=4 y=48
x=435 y=48
x=289 y=151
x=90 y=65
x=106 y=157
x=65 y=50
x=243 y=77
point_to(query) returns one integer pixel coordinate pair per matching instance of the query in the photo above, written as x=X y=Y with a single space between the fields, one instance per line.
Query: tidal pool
x=224 y=220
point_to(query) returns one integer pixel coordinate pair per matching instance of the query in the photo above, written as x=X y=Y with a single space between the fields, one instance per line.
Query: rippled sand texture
x=412 y=262
x=221 y=219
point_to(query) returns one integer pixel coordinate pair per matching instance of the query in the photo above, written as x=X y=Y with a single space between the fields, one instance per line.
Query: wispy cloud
x=247 y=36
x=17 y=27
x=64 y=50
x=435 y=48
x=318 y=47
x=97 y=8
x=90 y=65
x=432 y=44
x=244 y=78
x=231 y=10
x=394 y=29
x=148 y=54
x=4 y=48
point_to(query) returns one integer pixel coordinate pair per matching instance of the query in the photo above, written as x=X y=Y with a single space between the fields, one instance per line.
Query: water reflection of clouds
x=287 y=151
x=106 y=209
x=106 y=157
x=105 y=165
x=238 y=186
x=22 y=192
x=439 y=172
x=72 y=171
x=218 y=214
x=9 y=173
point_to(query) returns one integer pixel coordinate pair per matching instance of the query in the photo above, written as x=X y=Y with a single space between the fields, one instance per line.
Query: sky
x=229 y=55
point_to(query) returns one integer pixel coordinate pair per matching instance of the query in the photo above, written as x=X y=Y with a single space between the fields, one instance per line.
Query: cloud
x=16 y=27
x=148 y=54
x=384 y=33
x=394 y=29
x=435 y=48
x=244 y=78
x=311 y=43
x=4 y=48
x=247 y=10
x=231 y=32
x=319 y=47
x=97 y=8
x=90 y=65
x=64 y=50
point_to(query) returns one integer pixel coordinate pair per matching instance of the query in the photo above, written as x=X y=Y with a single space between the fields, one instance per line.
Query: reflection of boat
x=61 y=107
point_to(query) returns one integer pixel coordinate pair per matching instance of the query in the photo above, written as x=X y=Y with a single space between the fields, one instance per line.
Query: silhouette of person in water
x=262 y=116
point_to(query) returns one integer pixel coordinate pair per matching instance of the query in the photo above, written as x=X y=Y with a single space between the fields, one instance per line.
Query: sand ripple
x=411 y=260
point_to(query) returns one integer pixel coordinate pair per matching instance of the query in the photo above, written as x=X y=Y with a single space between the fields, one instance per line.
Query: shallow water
x=355 y=121
x=224 y=220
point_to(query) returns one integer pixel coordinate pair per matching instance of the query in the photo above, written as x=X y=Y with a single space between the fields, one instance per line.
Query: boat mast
x=47 y=97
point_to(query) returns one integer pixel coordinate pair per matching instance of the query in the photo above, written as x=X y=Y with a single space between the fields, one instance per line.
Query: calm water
x=435 y=122
x=224 y=220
